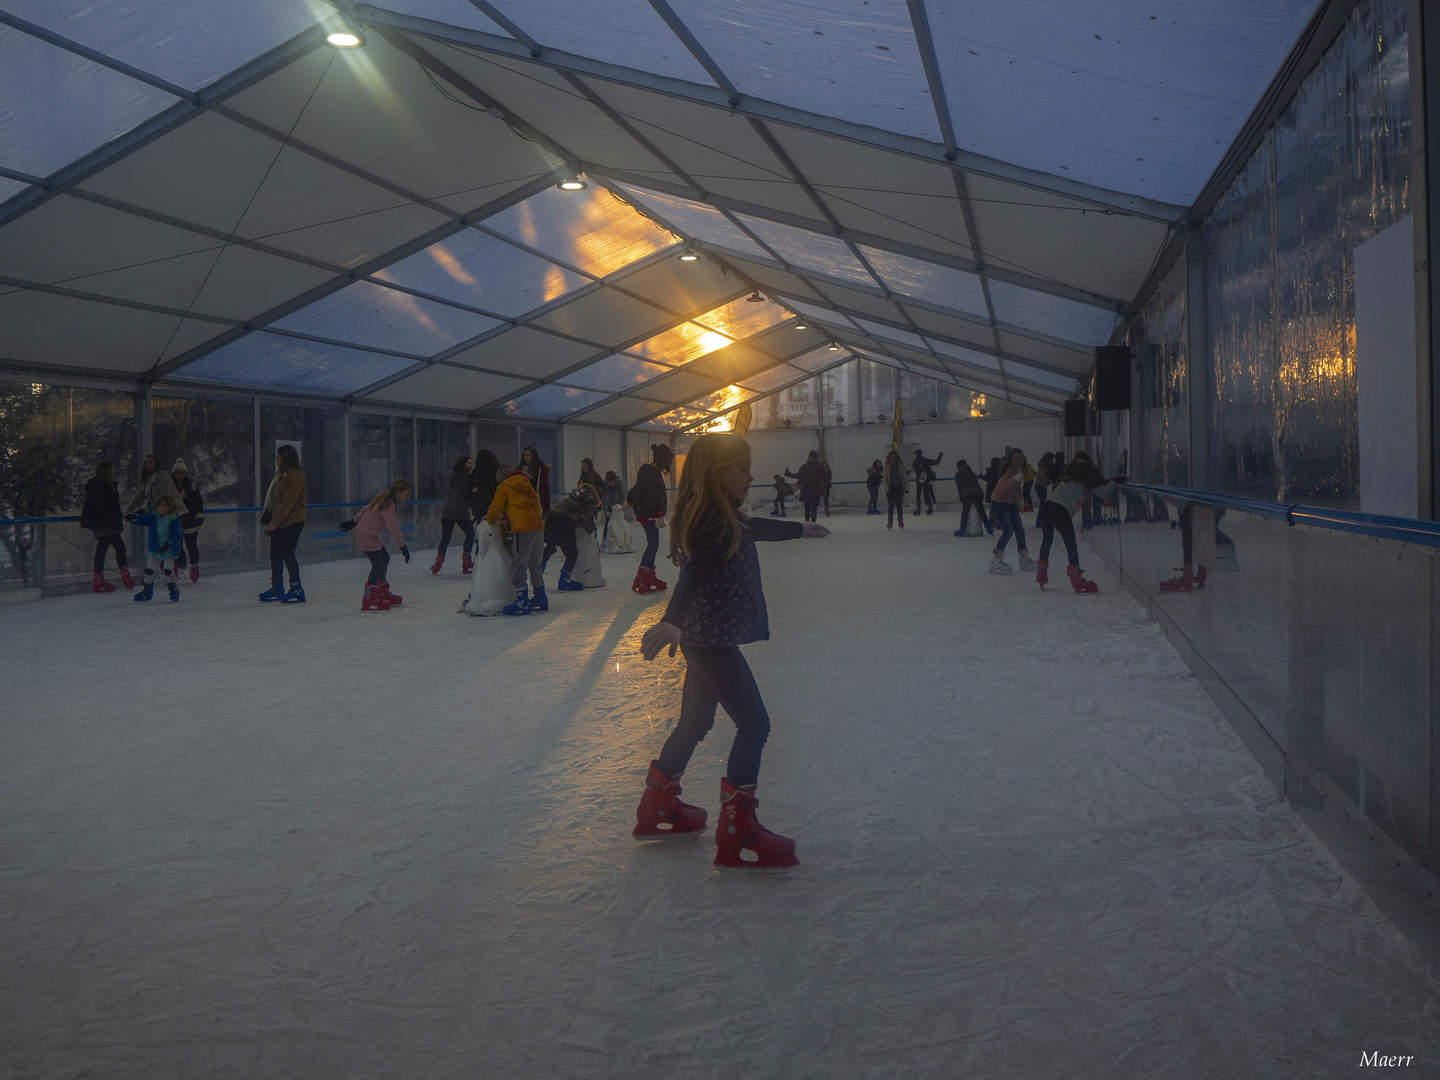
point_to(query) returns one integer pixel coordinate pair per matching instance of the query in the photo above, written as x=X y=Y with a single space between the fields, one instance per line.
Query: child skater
x=717 y=606
x=167 y=539
x=379 y=515
x=1076 y=484
x=519 y=506
x=650 y=503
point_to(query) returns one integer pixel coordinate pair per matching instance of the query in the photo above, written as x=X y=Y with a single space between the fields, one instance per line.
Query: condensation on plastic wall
x=1163 y=349
x=1333 y=172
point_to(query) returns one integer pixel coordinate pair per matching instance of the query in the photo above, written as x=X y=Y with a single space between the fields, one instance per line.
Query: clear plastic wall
x=1333 y=172
x=1162 y=345
x=1324 y=637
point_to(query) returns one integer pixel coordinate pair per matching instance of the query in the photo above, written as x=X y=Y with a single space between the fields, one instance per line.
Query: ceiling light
x=688 y=255
x=346 y=39
x=834 y=347
x=801 y=326
x=572 y=182
x=755 y=297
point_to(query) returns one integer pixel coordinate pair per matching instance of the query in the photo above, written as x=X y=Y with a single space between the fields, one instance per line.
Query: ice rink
x=246 y=840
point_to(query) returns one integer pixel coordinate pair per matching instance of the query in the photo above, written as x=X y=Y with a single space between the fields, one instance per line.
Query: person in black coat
x=924 y=469
x=967 y=486
x=480 y=484
x=192 y=516
x=649 y=500
x=101 y=515
x=575 y=511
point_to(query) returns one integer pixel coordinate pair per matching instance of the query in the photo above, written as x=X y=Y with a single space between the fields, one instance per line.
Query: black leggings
x=979 y=506
x=1054 y=518
x=447 y=529
x=895 y=498
x=718 y=676
x=812 y=511
x=379 y=562
x=192 y=552
x=104 y=544
x=571 y=550
x=283 y=543
x=652 y=544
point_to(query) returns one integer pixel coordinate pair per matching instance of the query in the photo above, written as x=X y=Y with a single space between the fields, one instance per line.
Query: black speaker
x=1112 y=377
x=1074 y=419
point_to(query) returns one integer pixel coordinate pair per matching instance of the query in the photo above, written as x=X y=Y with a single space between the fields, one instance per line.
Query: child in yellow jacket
x=516 y=501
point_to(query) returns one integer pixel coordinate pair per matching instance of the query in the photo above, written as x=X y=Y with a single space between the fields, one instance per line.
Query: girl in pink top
x=379 y=515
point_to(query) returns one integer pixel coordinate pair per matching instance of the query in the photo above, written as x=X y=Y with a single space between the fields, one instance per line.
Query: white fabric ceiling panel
x=1057 y=239
x=785 y=341
x=1076 y=360
x=41 y=328
x=820 y=314
x=854 y=300
x=976 y=333
x=465 y=166
x=827 y=255
x=931 y=282
x=703 y=223
x=237 y=283
x=972 y=357
x=285 y=363
x=202 y=40
x=615 y=373
x=621 y=412
x=58 y=106
x=525 y=352
x=1051 y=315
x=368 y=314
x=454 y=12
x=543 y=98
x=485 y=272
x=720 y=150
x=606 y=317
x=918 y=220
x=855 y=61
x=440 y=386
x=551 y=402
x=590 y=230
x=681 y=387
x=1131 y=97
x=626 y=32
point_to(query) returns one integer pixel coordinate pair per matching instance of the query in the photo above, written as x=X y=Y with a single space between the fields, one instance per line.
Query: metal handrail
x=1381 y=526
x=222 y=510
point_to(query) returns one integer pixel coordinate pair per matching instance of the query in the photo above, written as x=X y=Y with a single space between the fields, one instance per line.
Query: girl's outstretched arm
x=657 y=637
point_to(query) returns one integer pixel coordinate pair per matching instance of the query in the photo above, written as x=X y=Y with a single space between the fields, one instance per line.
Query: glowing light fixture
x=688 y=255
x=801 y=326
x=834 y=347
x=755 y=297
x=572 y=182
x=346 y=39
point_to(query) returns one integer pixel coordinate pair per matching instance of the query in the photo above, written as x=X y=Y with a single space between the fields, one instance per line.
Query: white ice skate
x=998 y=565
x=1027 y=564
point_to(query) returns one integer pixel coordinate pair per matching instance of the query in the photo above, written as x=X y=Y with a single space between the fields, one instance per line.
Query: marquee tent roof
x=203 y=193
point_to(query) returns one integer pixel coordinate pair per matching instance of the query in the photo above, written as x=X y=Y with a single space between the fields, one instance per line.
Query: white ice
x=253 y=840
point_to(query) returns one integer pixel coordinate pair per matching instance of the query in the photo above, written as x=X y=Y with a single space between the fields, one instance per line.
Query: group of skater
x=167 y=504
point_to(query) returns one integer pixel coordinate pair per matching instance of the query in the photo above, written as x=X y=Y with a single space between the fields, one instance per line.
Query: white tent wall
x=851 y=450
x=601 y=445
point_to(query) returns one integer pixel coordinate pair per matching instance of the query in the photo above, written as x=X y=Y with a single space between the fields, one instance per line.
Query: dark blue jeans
x=283 y=543
x=874 y=500
x=1008 y=517
x=379 y=562
x=652 y=544
x=718 y=676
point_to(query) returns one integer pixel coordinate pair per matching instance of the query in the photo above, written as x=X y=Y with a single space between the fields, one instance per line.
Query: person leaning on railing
x=283 y=516
x=101 y=515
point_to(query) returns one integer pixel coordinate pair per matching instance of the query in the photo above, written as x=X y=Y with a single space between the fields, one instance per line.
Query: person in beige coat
x=284 y=519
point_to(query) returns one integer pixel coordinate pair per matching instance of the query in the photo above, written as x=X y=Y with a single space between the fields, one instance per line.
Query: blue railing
x=218 y=510
x=1403 y=530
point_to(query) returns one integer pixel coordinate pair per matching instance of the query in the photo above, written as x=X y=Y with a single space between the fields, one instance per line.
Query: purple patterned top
x=718 y=601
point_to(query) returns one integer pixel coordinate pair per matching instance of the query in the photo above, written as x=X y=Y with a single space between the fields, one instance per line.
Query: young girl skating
x=167 y=538
x=369 y=522
x=649 y=501
x=717 y=606
x=1076 y=484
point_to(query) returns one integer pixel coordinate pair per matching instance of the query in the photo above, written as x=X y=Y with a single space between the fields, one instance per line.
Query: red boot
x=374 y=599
x=439 y=562
x=739 y=832
x=125 y=578
x=194 y=574
x=99 y=584
x=656 y=584
x=1077 y=580
x=1042 y=572
x=1184 y=583
x=390 y=597
x=466 y=563
x=661 y=815
x=1200 y=575
x=641 y=584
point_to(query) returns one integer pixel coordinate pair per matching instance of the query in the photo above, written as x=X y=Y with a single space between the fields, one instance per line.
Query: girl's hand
x=814 y=531
x=657 y=637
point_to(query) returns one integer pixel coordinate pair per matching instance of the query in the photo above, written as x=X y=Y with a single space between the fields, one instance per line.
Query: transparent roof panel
x=57 y=106
x=369 y=314
x=889 y=333
x=722 y=400
x=483 y=271
x=200 y=40
x=10 y=188
x=858 y=62
x=286 y=363
x=703 y=223
x=819 y=358
x=773 y=378
x=454 y=12
x=590 y=230
x=1138 y=98
x=819 y=314
x=826 y=255
x=625 y=32
x=743 y=318
x=1040 y=375
x=684 y=343
x=1053 y=316
x=677 y=418
x=964 y=356
x=943 y=286
x=552 y=402
x=615 y=373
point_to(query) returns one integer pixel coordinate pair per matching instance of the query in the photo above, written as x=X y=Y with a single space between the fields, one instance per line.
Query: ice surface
x=252 y=840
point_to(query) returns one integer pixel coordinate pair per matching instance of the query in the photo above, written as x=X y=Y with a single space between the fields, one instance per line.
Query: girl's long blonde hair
x=701 y=506
x=387 y=497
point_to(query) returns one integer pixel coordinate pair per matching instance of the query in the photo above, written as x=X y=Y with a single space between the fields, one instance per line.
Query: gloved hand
x=131 y=516
x=405 y=551
x=164 y=548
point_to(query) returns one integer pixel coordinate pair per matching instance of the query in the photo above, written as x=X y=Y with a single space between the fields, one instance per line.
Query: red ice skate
x=739 y=833
x=125 y=578
x=390 y=597
x=1077 y=580
x=99 y=584
x=374 y=599
x=661 y=815
x=466 y=563
x=1042 y=572
x=439 y=562
x=646 y=581
x=194 y=574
